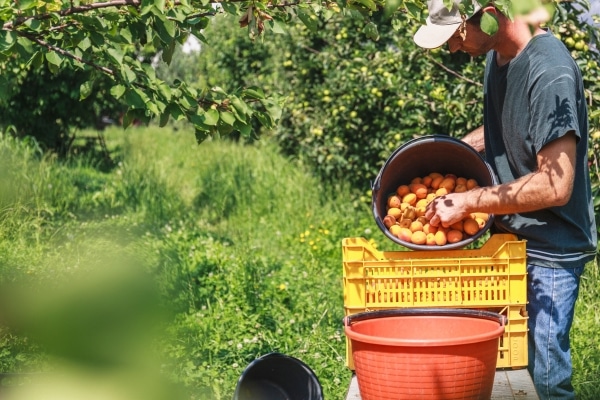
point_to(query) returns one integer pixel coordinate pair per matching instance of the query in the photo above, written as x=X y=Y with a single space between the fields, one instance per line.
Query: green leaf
x=273 y=108
x=223 y=128
x=7 y=40
x=97 y=38
x=240 y=108
x=165 y=91
x=219 y=90
x=201 y=135
x=489 y=23
x=264 y=119
x=147 y=7
x=115 y=55
x=414 y=10
x=84 y=44
x=168 y=51
x=134 y=99
x=276 y=26
x=254 y=93
x=36 y=60
x=371 y=31
x=117 y=91
x=370 y=4
x=227 y=117
x=85 y=89
x=126 y=36
x=211 y=117
x=245 y=129
x=176 y=112
x=164 y=118
x=127 y=73
x=165 y=29
x=307 y=20
x=25 y=47
x=26 y=4
x=53 y=58
x=391 y=6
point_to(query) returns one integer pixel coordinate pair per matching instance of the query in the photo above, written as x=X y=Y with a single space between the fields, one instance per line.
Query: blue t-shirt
x=536 y=98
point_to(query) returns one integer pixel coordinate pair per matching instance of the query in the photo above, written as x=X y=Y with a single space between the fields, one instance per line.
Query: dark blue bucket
x=419 y=157
x=276 y=376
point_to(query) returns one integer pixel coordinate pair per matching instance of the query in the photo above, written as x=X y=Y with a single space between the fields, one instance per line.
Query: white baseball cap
x=441 y=23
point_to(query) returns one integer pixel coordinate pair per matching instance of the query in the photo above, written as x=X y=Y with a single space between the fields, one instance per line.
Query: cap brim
x=432 y=36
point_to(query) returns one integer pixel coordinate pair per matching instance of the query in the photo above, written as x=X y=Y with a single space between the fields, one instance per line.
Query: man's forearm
x=475 y=139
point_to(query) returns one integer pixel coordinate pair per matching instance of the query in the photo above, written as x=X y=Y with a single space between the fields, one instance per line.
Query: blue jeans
x=551 y=295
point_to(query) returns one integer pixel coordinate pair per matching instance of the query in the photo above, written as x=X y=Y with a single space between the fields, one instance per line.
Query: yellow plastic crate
x=493 y=277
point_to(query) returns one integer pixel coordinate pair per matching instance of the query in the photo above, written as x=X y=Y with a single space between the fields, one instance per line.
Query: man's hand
x=447 y=210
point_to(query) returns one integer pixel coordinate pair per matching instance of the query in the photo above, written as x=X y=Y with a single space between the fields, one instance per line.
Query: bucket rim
x=424 y=312
x=313 y=376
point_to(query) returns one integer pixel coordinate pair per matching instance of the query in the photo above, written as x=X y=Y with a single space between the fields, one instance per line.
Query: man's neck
x=516 y=36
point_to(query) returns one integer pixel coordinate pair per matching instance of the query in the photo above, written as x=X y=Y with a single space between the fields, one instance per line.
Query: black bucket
x=420 y=157
x=276 y=376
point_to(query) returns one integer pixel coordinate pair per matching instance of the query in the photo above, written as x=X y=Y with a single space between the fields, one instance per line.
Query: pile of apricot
x=405 y=217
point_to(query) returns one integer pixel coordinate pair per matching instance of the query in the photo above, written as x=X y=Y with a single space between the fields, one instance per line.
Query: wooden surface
x=508 y=385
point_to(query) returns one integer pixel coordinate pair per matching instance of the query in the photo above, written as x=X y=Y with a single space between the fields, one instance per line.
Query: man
x=535 y=137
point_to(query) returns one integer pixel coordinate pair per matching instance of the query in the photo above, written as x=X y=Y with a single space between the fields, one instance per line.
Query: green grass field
x=190 y=261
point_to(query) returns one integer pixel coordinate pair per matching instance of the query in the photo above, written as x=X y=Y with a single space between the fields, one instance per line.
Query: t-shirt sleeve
x=553 y=106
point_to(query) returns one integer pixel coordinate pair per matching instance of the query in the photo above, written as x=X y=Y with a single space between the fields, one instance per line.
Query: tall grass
x=244 y=245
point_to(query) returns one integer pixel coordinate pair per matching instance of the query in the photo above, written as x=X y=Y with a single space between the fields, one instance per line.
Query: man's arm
x=475 y=139
x=550 y=186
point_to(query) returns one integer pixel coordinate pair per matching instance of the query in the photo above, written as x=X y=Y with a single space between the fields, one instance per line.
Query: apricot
x=427 y=180
x=389 y=220
x=454 y=236
x=402 y=190
x=405 y=223
x=416 y=226
x=405 y=234
x=471 y=183
x=460 y=188
x=441 y=192
x=481 y=222
x=483 y=216
x=419 y=237
x=395 y=230
x=394 y=201
x=457 y=226
x=419 y=190
x=395 y=212
x=410 y=198
x=470 y=226
x=449 y=183
x=428 y=228
x=440 y=238
x=430 y=239
x=422 y=203
x=435 y=183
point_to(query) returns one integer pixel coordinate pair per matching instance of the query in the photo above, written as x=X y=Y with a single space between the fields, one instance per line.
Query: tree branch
x=72 y=10
x=450 y=71
x=67 y=54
